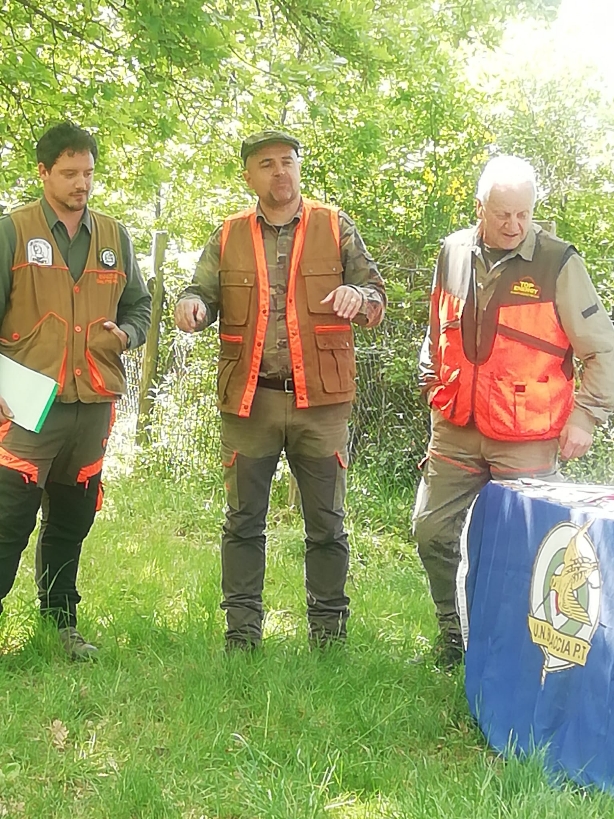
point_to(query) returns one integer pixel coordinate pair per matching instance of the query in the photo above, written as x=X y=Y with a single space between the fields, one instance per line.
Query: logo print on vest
x=39 y=251
x=565 y=597
x=526 y=287
x=108 y=257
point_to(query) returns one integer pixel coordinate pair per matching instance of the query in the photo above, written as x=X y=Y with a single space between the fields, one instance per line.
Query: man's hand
x=111 y=327
x=574 y=442
x=190 y=315
x=5 y=412
x=346 y=301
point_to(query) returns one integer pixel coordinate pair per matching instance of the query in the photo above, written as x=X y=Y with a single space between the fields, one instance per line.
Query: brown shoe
x=75 y=646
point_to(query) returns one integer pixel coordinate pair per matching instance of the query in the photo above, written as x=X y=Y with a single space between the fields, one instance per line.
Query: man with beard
x=286 y=277
x=72 y=299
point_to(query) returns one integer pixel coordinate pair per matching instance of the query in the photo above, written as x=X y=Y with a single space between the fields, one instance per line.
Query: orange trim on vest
x=35 y=264
x=233 y=339
x=333 y=328
x=106 y=270
x=96 y=377
x=262 y=276
x=294 y=333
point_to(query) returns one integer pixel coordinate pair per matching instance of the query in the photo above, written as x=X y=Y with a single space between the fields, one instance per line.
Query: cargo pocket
x=103 y=351
x=321 y=278
x=237 y=287
x=336 y=357
x=231 y=348
x=528 y=401
x=42 y=349
x=341 y=479
x=229 y=464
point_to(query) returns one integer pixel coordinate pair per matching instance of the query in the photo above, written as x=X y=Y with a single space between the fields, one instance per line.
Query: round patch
x=108 y=257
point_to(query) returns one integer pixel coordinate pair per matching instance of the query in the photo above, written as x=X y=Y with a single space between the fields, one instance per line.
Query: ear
x=479 y=209
x=43 y=173
x=248 y=179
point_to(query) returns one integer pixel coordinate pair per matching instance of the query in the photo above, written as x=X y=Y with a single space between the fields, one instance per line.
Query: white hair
x=505 y=171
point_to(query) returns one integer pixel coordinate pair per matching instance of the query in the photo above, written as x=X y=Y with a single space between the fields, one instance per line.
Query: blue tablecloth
x=540 y=603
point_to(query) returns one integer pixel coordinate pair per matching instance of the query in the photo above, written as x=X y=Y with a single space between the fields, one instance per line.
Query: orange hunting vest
x=517 y=384
x=321 y=343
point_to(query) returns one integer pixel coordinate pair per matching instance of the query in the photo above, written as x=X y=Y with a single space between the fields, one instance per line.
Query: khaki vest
x=321 y=343
x=55 y=325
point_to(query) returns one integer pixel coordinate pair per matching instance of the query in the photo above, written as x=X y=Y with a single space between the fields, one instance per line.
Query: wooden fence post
x=150 y=355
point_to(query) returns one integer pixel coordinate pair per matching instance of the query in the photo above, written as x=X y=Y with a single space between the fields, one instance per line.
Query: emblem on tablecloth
x=565 y=597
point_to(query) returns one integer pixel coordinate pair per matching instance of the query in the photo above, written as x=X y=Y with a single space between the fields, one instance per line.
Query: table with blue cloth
x=536 y=598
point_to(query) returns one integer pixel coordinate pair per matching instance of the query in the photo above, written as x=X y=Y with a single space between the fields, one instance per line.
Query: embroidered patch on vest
x=526 y=287
x=106 y=278
x=39 y=252
x=108 y=257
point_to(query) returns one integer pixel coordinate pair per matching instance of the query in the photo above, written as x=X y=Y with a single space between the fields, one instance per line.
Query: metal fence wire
x=389 y=424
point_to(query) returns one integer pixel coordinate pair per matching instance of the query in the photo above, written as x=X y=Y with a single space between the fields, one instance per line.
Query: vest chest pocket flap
x=236 y=294
x=321 y=278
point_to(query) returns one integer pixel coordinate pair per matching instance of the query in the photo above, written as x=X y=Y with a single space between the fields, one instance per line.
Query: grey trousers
x=459 y=462
x=315 y=441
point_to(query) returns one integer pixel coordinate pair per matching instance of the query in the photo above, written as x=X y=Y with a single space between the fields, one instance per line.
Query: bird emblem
x=576 y=571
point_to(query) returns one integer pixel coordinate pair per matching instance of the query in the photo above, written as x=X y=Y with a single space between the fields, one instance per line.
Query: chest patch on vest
x=39 y=251
x=526 y=287
x=108 y=258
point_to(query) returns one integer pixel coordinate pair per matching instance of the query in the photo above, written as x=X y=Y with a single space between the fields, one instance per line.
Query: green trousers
x=459 y=462
x=315 y=441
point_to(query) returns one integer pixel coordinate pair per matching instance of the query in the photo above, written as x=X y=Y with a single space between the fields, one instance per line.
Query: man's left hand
x=121 y=335
x=574 y=442
x=346 y=301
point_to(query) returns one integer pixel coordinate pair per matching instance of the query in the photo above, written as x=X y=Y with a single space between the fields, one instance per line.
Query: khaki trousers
x=315 y=441
x=459 y=462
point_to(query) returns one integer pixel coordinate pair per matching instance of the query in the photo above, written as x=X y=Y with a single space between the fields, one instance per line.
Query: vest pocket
x=236 y=295
x=42 y=349
x=336 y=358
x=231 y=348
x=520 y=406
x=321 y=278
x=103 y=354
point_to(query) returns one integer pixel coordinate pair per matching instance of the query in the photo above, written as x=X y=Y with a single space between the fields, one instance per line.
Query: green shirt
x=134 y=308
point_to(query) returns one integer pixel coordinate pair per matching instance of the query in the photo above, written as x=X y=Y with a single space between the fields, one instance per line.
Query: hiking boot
x=448 y=651
x=75 y=646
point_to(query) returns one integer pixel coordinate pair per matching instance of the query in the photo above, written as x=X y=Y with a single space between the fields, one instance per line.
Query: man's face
x=506 y=215
x=68 y=184
x=274 y=174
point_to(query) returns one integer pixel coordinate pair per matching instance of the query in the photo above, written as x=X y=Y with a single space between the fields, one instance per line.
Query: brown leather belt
x=283 y=384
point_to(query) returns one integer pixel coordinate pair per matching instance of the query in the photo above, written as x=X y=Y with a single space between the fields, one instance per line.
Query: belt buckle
x=288 y=385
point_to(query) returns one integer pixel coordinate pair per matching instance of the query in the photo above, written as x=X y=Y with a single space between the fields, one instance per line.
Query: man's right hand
x=5 y=412
x=190 y=315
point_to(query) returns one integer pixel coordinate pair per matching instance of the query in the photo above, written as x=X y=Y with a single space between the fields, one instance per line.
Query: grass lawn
x=166 y=725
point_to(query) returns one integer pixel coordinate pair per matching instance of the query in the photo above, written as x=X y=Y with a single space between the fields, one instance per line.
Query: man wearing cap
x=72 y=299
x=286 y=277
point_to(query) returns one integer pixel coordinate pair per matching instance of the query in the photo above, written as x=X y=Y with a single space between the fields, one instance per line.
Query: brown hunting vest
x=55 y=325
x=321 y=343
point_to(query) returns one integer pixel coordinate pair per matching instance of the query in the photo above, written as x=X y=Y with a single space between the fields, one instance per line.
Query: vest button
x=78 y=371
x=76 y=288
x=78 y=328
x=15 y=336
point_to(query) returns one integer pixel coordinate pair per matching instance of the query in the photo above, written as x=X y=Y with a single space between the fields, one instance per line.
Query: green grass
x=166 y=725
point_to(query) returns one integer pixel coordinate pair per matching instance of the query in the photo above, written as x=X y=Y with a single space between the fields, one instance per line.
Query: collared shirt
x=359 y=271
x=134 y=308
x=583 y=318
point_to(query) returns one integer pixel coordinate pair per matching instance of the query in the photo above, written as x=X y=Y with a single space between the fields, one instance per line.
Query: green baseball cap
x=254 y=142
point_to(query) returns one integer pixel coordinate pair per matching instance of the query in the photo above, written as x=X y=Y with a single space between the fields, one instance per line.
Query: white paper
x=28 y=394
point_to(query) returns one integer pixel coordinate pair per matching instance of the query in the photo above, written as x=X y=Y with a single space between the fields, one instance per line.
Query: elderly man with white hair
x=511 y=306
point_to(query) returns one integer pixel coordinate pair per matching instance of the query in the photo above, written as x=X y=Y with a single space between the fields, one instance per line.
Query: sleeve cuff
x=581 y=418
x=130 y=331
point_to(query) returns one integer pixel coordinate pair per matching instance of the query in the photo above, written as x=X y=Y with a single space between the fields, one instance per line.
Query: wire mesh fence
x=389 y=423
